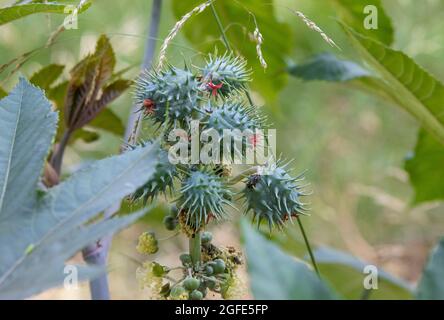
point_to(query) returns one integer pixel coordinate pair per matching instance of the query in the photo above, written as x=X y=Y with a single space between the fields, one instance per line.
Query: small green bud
x=177 y=292
x=191 y=283
x=219 y=266
x=206 y=237
x=185 y=258
x=196 y=295
x=211 y=282
x=170 y=223
x=209 y=270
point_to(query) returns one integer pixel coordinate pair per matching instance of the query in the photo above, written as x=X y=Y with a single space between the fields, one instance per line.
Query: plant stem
x=98 y=254
x=195 y=247
x=221 y=28
x=57 y=157
x=307 y=244
x=134 y=119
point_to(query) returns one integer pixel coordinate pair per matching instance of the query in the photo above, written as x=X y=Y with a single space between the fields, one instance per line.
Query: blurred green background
x=352 y=145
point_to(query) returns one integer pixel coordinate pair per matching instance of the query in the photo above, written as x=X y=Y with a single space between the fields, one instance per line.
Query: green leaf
x=40 y=230
x=112 y=92
x=57 y=94
x=45 y=77
x=431 y=285
x=3 y=93
x=203 y=33
x=426 y=168
x=87 y=94
x=352 y=13
x=107 y=120
x=327 y=67
x=275 y=275
x=413 y=88
x=85 y=135
x=345 y=274
x=27 y=126
x=15 y=12
x=44 y=266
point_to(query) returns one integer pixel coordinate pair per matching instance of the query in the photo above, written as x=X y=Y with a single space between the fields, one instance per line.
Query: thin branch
x=221 y=28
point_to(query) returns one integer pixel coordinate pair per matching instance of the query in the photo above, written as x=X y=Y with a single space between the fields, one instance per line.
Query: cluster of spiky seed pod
x=214 y=95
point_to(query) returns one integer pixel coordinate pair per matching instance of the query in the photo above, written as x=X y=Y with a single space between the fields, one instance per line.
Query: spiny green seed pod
x=161 y=180
x=231 y=116
x=274 y=196
x=241 y=121
x=203 y=196
x=191 y=283
x=173 y=89
x=224 y=74
x=147 y=243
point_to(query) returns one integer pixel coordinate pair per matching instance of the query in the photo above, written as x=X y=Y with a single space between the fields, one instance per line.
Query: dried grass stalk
x=179 y=24
x=313 y=26
x=257 y=36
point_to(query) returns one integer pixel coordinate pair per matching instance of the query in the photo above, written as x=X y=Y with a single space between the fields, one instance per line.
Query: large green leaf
x=43 y=267
x=402 y=82
x=413 y=88
x=431 y=285
x=408 y=85
x=276 y=275
x=202 y=29
x=426 y=168
x=327 y=67
x=15 y=12
x=345 y=273
x=352 y=13
x=40 y=230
